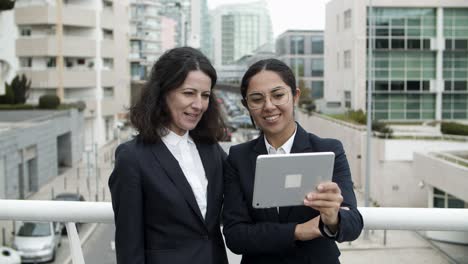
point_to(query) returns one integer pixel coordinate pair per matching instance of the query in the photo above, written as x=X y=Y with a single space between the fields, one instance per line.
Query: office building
x=76 y=50
x=238 y=30
x=302 y=50
x=420 y=59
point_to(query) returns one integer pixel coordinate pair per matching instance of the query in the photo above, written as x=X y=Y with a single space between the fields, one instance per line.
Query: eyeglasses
x=278 y=96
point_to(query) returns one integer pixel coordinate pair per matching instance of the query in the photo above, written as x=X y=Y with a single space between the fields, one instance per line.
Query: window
x=398 y=44
x=108 y=92
x=25 y=62
x=442 y=199
x=317 y=45
x=51 y=62
x=317 y=89
x=347 y=19
x=347 y=59
x=108 y=33
x=317 y=67
x=333 y=104
x=347 y=97
x=25 y=31
x=297 y=45
x=108 y=64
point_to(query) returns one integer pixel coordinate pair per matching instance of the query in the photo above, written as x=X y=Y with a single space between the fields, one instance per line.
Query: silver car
x=37 y=241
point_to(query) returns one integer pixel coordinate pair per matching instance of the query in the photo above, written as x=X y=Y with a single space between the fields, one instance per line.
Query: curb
x=83 y=240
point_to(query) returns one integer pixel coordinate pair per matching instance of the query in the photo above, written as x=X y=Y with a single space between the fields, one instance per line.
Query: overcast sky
x=289 y=14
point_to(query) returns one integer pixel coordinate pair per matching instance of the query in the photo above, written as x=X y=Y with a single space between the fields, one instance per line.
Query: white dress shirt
x=185 y=152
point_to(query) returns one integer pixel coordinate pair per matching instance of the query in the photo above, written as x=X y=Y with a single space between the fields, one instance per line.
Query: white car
x=37 y=241
x=9 y=256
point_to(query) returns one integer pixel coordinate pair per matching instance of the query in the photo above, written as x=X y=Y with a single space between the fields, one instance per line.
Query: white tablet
x=285 y=179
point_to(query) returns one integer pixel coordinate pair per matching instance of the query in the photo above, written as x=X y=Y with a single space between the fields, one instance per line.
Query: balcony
x=101 y=212
x=47 y=14
x=72 y=46
x=71 y=78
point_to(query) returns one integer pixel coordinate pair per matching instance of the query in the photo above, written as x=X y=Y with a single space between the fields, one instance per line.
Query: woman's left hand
x=327 y=200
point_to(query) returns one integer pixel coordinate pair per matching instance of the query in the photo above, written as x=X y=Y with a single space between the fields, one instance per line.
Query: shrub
x=80 y=105
x=382 y=128
x=21 y=87
x=49 y=101
x=357 y=116
x=8 y=97
x=454 y=128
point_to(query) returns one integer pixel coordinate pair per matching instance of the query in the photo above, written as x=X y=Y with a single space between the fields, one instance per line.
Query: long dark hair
x=150 y=114
x=273 y=65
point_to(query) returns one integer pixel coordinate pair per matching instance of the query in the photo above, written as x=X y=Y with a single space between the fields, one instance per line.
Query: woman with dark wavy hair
x=167 y=185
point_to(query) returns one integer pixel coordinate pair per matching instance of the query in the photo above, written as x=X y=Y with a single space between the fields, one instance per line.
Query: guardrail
x=375 y=218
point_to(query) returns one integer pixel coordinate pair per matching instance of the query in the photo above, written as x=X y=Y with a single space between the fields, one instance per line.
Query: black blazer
x=156 y=215
x=263 y=235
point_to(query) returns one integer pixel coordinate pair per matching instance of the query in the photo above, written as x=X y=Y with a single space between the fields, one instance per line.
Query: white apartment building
x=145 y=37
x=78 y=50
x=420 y=62
x=8 y=60
x=238 y=30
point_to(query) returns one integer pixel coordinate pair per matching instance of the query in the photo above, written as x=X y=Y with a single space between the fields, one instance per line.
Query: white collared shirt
x=185 y=152
x=284 y=149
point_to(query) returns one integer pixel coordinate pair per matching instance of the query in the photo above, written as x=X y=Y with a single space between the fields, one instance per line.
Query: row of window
x=398 y=86
x=51 y=62
x=418 y=106
x=402 y=44
x=297 y=45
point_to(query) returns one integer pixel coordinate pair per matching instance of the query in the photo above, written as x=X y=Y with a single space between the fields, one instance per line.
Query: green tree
x=21 y=87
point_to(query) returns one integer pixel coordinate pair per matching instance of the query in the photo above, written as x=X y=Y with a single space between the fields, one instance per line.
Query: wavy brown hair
x=150 y=114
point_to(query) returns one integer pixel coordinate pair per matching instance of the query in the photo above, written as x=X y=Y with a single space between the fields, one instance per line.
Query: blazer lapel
x=173 y=170
x=301 y=144
x=207 y=157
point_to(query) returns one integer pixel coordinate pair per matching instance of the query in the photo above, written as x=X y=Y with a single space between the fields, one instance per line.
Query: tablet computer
x=285 y=179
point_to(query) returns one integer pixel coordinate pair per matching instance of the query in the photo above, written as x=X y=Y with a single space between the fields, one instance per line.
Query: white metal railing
x=375 y=218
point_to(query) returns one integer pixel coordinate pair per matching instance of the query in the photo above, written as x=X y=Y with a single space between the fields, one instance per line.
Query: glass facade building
x=405 y=74
x=303 y=50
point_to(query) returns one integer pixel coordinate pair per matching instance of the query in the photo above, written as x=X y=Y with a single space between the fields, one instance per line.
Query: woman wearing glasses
x=300 y=234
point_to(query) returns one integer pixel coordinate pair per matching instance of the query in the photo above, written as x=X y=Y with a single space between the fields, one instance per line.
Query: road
x=98 y=248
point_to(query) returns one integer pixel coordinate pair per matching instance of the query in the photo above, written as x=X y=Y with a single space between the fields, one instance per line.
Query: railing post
x=76 y=252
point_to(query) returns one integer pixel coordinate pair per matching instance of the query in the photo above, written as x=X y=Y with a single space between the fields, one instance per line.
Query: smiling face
x=188 y=102
x=276 y=116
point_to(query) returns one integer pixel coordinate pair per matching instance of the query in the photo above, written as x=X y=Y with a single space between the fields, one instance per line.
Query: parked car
x=37 y=241
x=9 y=256
x=74 y=197
x=242 y=121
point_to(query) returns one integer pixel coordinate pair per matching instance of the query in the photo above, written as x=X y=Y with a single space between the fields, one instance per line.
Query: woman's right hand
x=308 y=230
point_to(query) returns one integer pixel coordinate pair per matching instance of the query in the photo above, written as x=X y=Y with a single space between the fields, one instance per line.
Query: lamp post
x=370 y=50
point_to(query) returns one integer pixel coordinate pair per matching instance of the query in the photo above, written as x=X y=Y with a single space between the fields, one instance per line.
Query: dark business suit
x=156 y=215
x=263 y=235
